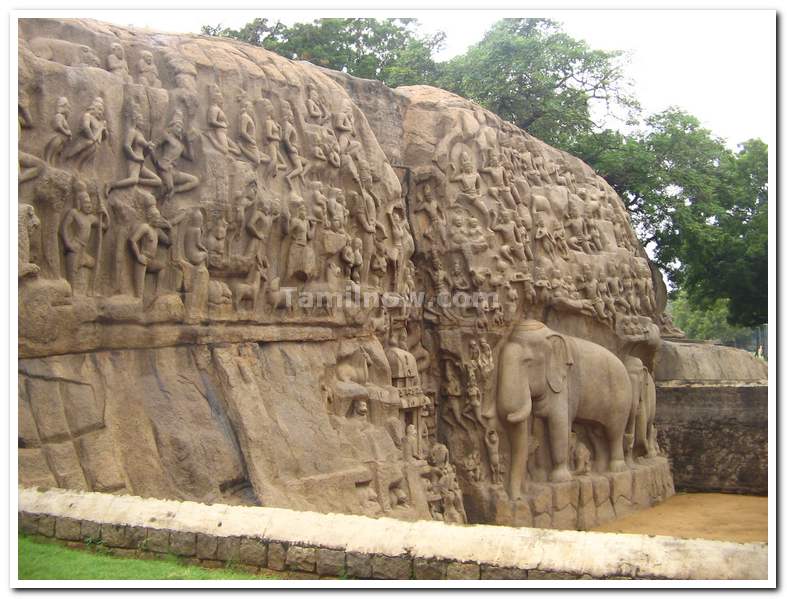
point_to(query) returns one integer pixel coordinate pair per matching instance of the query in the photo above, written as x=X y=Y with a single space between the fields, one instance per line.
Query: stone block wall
x=716 y=436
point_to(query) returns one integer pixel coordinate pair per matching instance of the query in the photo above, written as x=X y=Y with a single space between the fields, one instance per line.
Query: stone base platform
x=350 y=547
x=580 y=504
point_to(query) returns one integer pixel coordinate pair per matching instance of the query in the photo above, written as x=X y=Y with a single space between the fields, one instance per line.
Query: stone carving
x=147 y=72
x=28 y=226
x=136 y=148
x=362 y=319
x=167 y=152
x=560 y=379
x=54 y=146
x=92 y=133
x=76 y=233
x=116 y=62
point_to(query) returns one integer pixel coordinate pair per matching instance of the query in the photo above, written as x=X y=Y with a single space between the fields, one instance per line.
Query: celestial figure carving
x=147 y=72
x=167 y=152
x=136 y=148
x=76 y=232
x=469 y=186
x=54 y=146
x=248 y=135
x=217 y=125
x=92 y=133
x=559 y=378
x=116 y=62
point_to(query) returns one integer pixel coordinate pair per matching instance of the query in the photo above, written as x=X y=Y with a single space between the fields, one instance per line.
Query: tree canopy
x=390 y=50
x=700 y=207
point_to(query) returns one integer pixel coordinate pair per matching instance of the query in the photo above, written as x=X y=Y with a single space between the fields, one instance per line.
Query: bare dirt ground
x=716 y=516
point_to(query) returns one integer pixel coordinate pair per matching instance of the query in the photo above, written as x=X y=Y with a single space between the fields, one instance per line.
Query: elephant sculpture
x=561 y=379
x=641 y=431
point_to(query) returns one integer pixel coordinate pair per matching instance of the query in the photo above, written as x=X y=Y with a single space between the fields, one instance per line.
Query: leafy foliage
x=389 y=50
x=701 y=207
x=709 y=323
x=531 y=73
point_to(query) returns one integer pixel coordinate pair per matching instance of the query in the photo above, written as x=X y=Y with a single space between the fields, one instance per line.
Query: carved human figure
x=92 y=133
x=452 y=391
x=576 y=227
x=54 y=146
x=513 y=247
x=365 y=212
x=217 y=124
x=144 y=245
x=273 y=135
x=545 y=241
x=397 y=246
x=76 y=232
x=501 y=186
x=248 y=135
x=410 y=444
x=357 y=260
x=195 y=277
x=469 y=185
x=474 y=397
x=147 y=72
x=29 y=225
x=492 y=443
x=256 y=224
x=315 y=108
x=165 y=156
x=300 y=257
x=116 y=62
x=136 y=149
x=428 y=204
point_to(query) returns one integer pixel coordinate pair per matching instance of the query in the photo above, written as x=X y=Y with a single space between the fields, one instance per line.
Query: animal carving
x=64 y=52
x=250 y=288
x=561 y=379
x=278 y=297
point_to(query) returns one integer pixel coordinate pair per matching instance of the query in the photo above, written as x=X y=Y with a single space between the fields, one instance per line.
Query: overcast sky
x=718 y=65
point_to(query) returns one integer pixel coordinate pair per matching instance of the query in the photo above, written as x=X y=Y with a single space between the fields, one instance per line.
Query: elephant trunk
x=514 y=405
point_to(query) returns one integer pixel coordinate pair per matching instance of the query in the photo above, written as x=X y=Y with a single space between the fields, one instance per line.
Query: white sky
x=718 y=65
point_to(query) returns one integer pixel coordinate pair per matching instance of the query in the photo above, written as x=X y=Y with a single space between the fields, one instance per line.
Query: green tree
x=708 y=323
x=390 y=50
x=701 y=207
x=530 y=72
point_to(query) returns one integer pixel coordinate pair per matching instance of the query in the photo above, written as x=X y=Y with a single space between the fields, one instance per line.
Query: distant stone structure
x=252 y=281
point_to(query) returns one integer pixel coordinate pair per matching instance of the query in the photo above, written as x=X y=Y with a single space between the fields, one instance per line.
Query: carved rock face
x=289 y=230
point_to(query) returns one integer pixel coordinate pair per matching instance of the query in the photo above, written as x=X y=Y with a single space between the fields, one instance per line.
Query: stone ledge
x=378 y=548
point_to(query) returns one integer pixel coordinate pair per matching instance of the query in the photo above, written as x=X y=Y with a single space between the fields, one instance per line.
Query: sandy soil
x=717 y=516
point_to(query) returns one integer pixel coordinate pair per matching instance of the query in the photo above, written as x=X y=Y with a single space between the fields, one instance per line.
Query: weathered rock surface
x=698 y=362
x=248 y=280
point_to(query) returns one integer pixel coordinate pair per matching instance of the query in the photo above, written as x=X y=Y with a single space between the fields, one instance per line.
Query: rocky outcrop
x=698 y=362
x=248 y=280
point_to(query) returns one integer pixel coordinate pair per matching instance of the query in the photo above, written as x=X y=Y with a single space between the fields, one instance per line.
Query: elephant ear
x=559 y=360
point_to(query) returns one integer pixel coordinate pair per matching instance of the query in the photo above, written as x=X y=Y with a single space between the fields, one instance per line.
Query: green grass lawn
x=42 y=559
